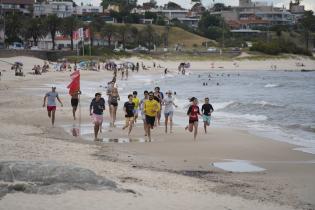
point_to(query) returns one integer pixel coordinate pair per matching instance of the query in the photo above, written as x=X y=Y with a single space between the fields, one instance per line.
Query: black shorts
x=114 y=103
x=193 y=121
x=74 y=102
x=150 y=120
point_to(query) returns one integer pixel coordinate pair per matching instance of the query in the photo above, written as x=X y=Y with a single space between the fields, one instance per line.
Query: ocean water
x=276 y=104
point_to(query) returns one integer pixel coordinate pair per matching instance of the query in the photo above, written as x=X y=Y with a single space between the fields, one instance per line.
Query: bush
x=277 y=47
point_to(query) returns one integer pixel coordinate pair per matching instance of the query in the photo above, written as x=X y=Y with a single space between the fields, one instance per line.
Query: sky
x=309 y=4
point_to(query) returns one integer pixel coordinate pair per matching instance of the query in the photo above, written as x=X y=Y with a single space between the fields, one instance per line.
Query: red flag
x=74 y=86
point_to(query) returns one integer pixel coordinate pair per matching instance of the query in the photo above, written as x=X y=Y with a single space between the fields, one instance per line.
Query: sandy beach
x=172 y=172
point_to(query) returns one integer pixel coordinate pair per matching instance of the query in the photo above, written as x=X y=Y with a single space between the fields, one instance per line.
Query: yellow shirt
x=151 y=107
x=136 y=101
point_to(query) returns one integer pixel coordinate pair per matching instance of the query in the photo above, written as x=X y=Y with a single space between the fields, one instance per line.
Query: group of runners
x=149 y=107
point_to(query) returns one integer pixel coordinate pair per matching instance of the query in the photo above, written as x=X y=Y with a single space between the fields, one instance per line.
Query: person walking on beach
x=206 y=110
x=141 y=105
x=151 y=108
x=129 y=113
x=136 y=101
x=158 y=96
x=97 y=106
x=169 y=110
x=193 y=113
x=75 y=102
x=51 y=103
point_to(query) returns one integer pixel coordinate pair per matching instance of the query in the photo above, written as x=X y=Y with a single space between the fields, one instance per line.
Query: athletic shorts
x=206 y=118
x=97 y=118
x=51 y=108
x=135 y=111
x=150 y=120
x=168 y=114
x=74 y=102
x=192 y=121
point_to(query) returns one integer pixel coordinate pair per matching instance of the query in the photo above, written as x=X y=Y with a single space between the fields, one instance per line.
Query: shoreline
x=171 y=169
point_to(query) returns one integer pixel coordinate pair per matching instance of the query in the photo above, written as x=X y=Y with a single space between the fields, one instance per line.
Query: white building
x=60 y=8
x=87 y=9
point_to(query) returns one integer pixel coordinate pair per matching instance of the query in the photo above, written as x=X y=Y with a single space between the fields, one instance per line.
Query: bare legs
x=96 y=129
x=205 y=124
x=110 y=114
x=171 y=123
x=51 y=114
x=113 y=114
x=148 y=128
x=193 y=127
x=129 y=123
x=74 y=109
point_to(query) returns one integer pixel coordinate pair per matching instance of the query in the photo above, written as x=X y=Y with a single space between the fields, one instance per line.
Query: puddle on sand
x=238 y=166
x=123 y=140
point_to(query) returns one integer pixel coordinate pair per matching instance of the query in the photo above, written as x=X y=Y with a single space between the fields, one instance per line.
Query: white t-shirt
x=169 y=107
x=51 y=98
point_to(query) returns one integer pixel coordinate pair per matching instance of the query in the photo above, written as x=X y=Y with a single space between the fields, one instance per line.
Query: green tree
x=123 y=32
x=33 y=28
x=52 y=23
x=69 y=24
x=108 y=31
x=149 y=36
x=308 y=26
x=13 y=29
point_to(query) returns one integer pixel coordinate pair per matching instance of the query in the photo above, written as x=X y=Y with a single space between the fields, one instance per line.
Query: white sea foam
x=249 y=117
x=218 y=106
x=271 y=85
x=238 y=166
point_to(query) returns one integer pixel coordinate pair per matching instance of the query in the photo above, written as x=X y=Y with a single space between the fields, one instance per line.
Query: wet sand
x=172 y=172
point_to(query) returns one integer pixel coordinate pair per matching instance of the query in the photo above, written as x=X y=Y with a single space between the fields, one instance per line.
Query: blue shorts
x=168 y=114
x=206 y=119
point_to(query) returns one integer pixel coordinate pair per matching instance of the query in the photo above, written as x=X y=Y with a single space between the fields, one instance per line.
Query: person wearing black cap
x=193 y=112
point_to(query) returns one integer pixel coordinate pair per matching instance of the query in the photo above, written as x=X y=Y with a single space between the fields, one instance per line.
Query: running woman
x=114 y=104
x=169 y=110
x=98 y=106
x=141 y=105
x=129 y=113
x=51 y=103
x=136 y=101
x=151 y=108
x=75 y=102
x=206 y=110
x=193 y=113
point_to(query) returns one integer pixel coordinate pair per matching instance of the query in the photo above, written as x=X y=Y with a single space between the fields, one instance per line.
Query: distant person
x=129 y=113
x=151 y=108
x=51 y=103
x=165 y=71
x=75 y=102
x=206 y=110
x=97 y=106
x=136 y=101
x=169 y=110
x=141 y=105
x=193 y=112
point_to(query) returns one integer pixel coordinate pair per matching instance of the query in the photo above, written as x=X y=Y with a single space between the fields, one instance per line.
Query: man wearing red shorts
x=51 y=103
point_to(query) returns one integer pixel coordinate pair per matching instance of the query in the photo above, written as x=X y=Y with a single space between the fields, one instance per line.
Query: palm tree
x=52 y=23
x=69 y=24
x=108 y=30
x=33 y=28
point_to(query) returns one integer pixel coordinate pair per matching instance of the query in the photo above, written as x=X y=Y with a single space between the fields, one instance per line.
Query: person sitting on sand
x=193 y=113
x=151 y=108
x=129 y=113
x=51 y=103
x=97 y=106
x=206 y=110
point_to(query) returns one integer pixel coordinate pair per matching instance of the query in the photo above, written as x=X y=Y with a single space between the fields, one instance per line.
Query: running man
x=193 y=113
x=169 y=110
x=51 y=103
x=146 y=97
x=75 y=102
x=129 y=113
x=136 y=101
x=206 y=110
x=98 y=106
x=151 y=108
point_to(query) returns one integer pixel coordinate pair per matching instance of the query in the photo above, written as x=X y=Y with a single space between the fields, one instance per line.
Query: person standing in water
x=129 y=113
x=75 y=102
x=206 y=110
x=51 y=103
x=193 y=113
x=169 y=110
x=97 y=106
x=151 y=108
